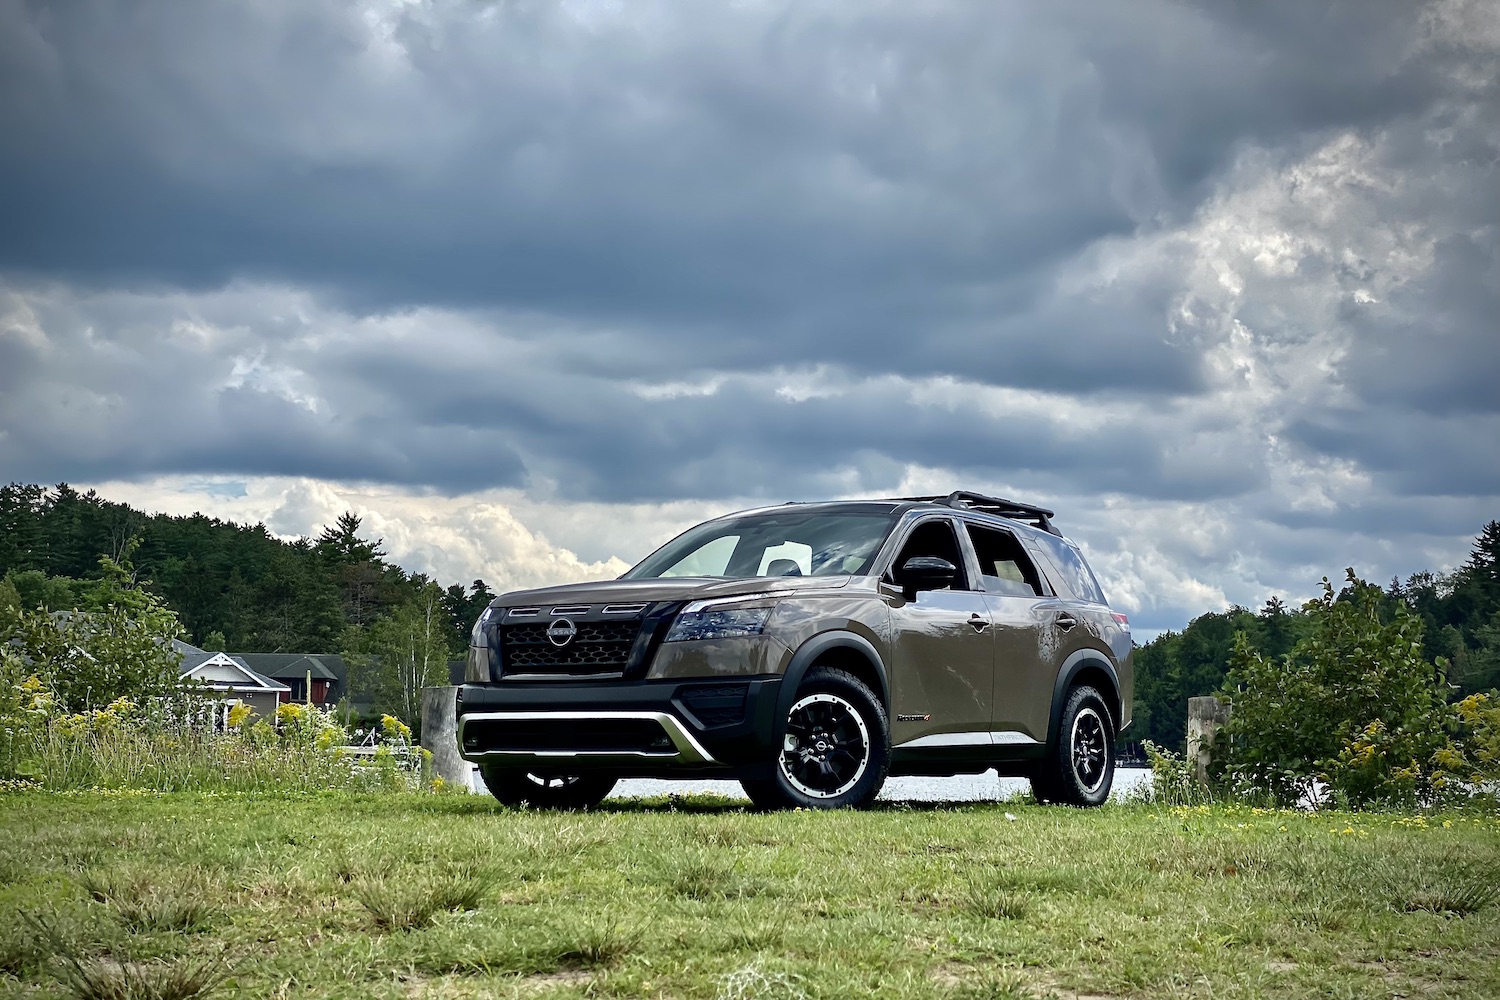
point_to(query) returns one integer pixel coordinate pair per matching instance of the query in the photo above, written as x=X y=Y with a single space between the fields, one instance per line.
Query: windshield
x=783 y=543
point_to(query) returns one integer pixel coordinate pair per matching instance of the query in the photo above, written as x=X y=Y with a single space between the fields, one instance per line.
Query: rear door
x=1079 y=615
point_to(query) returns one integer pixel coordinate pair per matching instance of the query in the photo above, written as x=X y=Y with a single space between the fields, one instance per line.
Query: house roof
x=223 y=672
x=295 y=666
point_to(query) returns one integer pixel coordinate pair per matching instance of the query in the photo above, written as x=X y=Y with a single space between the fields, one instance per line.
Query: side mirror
x=926 y=573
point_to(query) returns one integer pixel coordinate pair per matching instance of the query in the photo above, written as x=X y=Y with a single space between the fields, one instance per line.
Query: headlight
x=476 y=634
x=718 y=624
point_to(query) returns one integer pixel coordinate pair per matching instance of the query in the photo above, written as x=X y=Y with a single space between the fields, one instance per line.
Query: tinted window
x=1004 y=566
x=780 y=543
x=935 y=538
x=1076 y=575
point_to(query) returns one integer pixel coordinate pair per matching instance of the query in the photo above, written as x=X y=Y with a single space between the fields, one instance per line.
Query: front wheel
x=1080 y=764
x=834 y=747
x=512 y=787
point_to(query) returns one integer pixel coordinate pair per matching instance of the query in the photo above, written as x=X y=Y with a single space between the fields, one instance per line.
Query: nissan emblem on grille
x=561 y=632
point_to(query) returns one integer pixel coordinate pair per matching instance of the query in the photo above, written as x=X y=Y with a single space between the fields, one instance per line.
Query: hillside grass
x=171 y=896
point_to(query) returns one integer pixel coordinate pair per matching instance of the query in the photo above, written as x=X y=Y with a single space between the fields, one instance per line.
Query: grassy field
x=415 y=896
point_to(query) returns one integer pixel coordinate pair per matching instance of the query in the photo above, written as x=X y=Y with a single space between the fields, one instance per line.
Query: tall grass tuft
x=398 y=906
x=1447 y=888
x=185 y=905
x=997 y=902
x=89 y=978
x=602 y=942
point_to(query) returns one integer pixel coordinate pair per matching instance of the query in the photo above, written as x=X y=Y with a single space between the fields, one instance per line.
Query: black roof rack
x=964 y=500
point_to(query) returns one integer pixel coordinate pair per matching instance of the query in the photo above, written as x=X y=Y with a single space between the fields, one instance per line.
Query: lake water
x=964 y=788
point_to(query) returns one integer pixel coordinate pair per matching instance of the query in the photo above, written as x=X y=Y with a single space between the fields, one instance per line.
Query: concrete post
x=440 y=734
x=1205 y=716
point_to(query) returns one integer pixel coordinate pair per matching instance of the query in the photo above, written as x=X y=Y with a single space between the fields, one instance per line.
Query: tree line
x=237 y=587
x=1456 y=618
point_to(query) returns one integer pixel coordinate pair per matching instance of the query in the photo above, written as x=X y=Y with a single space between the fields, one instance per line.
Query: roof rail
x=1016 y=511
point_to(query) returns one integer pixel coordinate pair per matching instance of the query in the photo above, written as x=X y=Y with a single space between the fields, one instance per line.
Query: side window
x=1075 y=573
x=935 y=538
x=1003 y=563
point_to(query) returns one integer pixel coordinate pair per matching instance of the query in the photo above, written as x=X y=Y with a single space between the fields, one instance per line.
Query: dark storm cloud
x=839 y=182
x=394 y=411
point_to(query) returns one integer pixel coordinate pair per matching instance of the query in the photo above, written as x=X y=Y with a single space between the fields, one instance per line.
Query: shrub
x=1354 y=713
x=1173 y=782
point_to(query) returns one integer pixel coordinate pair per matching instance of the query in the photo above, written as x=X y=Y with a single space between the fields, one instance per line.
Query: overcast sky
x=534 y=285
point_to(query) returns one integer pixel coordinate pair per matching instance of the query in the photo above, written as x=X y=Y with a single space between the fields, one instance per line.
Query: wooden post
x=440 y=734
x=1205 y=716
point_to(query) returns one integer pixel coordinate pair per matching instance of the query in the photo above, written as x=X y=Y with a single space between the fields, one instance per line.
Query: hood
x=680 y=588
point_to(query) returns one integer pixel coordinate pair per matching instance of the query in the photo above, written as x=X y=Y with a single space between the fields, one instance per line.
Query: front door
x=942 y=670
x=1028 y=651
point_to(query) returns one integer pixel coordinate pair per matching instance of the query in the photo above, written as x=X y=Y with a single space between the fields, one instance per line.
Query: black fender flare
x=1075 y=664
x=808 y=653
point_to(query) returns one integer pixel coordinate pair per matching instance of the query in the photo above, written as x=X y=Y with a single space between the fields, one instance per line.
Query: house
x=316 y=677
x=234 y=679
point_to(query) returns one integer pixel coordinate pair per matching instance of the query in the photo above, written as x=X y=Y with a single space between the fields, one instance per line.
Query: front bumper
x=713 y=727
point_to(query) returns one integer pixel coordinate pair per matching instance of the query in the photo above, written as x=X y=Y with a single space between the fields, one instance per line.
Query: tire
x=1080 y=765
x=833 y=749
x=512 y=787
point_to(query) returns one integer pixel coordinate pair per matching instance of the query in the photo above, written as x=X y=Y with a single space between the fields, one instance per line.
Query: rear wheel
x=834 y=747
x=1080 y=765
x=513 y=787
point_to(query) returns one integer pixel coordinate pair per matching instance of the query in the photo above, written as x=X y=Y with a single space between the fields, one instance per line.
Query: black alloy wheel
x=512 y=787
x=833 y=747
x=1079 y=769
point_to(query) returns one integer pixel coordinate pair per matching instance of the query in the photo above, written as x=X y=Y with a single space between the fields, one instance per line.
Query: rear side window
x=1068 y=561
x=1004 y=567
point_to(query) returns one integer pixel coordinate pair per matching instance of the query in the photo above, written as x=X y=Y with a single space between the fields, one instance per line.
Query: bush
x=1354 y=714
x=1173 y=782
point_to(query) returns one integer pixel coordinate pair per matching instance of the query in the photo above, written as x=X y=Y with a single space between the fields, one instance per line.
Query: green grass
x=402 y=896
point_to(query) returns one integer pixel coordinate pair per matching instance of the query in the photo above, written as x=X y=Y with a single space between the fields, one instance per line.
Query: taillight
x=1121 y=620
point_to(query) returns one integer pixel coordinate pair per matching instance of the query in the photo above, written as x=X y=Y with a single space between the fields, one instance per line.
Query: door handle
x=1065 y=621
x=979 y=622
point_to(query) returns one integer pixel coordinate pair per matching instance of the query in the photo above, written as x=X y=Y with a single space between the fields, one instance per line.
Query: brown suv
x=809 y=650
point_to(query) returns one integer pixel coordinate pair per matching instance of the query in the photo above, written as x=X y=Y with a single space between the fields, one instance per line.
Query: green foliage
x=303 y=749
x=1176 y=666
x=237 y=585
x=392 y=660
x=1173 y=782
x=1479 y=762
x=1355 y=706
x=87 y=659
x=1460 y=613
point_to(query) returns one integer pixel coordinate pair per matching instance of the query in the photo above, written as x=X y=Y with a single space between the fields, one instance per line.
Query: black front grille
x=598 y=648
x=587 y=735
